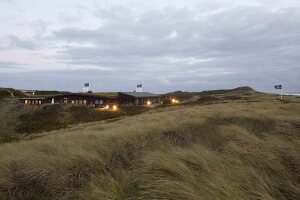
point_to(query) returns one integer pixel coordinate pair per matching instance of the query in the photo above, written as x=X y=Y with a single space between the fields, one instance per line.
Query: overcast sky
x=166 y=45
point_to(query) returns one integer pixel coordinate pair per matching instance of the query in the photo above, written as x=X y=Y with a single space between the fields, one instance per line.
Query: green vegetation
x=48 y=93
x=10 y=93
x=52 y=117
x=4 y=94
x=45 y=119
x=240 y=91
x=207 y=99
x=237 y=150
x=19 y=121
x=10 y=112
x=182 y=96
x=134 y=110
x=105 y=93
x=236 y=145
x=233 y=93
x=82 y=114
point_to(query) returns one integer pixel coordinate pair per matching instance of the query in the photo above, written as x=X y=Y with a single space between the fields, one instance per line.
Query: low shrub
x=4 y=94
x=49 y=118
x=134 y=110
x=82 y=114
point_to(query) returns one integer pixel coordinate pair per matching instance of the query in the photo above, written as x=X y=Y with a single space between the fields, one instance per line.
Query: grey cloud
x=237 y=32
x=8 y=65
x=188 y=48
x=79 y=14
x=120 y=13
x=40 y=27
x=76 y=34
x=240 y=42
x=14 y=41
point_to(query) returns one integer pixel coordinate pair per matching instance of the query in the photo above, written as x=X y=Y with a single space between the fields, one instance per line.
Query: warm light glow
x=106 y=107
x=148 y=103
x=115 y=107
x=175 y=101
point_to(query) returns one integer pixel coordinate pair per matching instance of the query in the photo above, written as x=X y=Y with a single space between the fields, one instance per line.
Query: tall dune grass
x=20 y=121
x=223 y=151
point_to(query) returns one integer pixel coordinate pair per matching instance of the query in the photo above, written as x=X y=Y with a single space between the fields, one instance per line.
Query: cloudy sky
x=166 y=45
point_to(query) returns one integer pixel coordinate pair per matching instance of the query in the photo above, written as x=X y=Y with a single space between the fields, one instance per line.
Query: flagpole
x=279 y=87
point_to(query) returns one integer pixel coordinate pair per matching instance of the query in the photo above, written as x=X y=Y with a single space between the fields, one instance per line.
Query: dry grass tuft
x=220 y=151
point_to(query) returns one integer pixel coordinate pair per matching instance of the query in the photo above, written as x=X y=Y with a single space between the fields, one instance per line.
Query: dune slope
x=233 y=150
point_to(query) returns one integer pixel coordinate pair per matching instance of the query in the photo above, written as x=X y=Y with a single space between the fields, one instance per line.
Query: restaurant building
x=95 y=100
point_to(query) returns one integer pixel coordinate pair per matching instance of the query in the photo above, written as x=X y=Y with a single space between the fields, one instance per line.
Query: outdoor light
x=107 y=107
x=148 y=103
x=175 y=101
x=115 y=107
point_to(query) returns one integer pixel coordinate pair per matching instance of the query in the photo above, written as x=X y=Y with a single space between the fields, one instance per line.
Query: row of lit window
x=33 y=102
x=79 y=102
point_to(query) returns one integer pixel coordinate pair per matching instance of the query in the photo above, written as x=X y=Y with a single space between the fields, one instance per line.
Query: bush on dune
x=52 y=117
x=81 y=114
x=46 y=119
x=8 y=92
x=4 y=94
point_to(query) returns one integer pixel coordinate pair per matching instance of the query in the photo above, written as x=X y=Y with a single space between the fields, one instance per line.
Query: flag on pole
x=278 y=87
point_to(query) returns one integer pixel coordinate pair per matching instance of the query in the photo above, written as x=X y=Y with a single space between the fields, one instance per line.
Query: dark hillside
x=48 y=93
x=187 y=96
x=10 y=93
x=51 y=117
x=237 y=91
x=4 y=94
x=9 y=119
x=19 y=120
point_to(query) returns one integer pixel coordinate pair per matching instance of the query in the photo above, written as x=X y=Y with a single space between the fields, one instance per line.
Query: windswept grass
x=4 y=94
x=220 y=151
x=45 y=119
x=9 y=119
x=20 y=121
x=53 y=117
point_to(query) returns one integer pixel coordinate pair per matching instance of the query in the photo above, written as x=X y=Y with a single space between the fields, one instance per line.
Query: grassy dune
x=233 y=150
x=9 y=93
x=10 y=112
x=19 y=121
x=191 y=96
